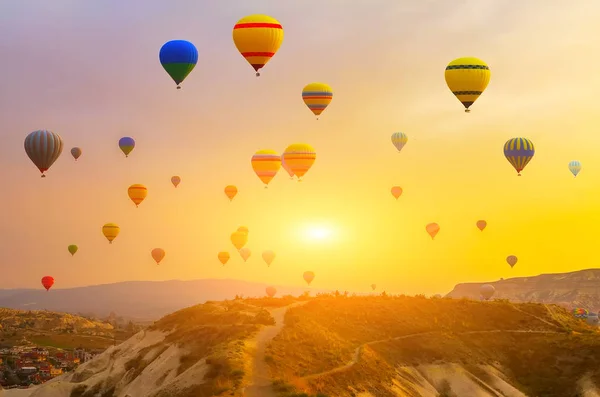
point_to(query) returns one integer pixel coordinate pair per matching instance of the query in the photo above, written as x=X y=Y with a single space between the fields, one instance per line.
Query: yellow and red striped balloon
x=299 y=157
x=137 y=193
x=317 y=96
x=257 y=38
x=265 y=164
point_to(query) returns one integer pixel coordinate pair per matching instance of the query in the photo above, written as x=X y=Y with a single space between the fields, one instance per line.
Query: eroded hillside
x=404 y=346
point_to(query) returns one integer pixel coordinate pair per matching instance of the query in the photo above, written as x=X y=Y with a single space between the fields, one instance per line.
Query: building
x=55 y=371
x=28 y=370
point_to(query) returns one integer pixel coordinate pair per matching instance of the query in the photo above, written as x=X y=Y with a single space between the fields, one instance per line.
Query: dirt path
x=356 y=355
x=261 y=379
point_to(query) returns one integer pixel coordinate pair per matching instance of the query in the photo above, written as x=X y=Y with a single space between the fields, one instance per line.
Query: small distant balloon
x=519 y=152
x=110 y=231
x=126 y=144
x=243 y=229
x=266 y=163
x=137 y=193
x=487 y=291
x=399 y=140
x=245 y=253
x=373 y=286
x=223 y=257
x=158 y=255
x=72 y=249
x=396 y=191
x=268 y=257
x=511 y=260
x=230 y=191
x=481 y=224
x=574 y=167
x=308 y=277
x=432 y=229
x=271 y=291
x=239 y=239
x=76 y=153
x=175 y=180
x=48 y=282
x=317 y=96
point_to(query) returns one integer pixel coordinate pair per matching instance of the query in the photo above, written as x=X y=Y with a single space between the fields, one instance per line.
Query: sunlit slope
x=404 y=346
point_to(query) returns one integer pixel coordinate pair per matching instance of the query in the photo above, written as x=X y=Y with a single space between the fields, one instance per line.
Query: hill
x=347 y=346
x=574 y=289
x=146 y=300
x=60 y=330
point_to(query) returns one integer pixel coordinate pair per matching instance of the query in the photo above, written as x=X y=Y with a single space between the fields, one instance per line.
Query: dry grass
x=324 y=333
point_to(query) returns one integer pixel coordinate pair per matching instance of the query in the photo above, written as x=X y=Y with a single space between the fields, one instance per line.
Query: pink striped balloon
x=43 y=148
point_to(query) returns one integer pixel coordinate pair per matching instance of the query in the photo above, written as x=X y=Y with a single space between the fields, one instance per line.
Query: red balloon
x=47 y=282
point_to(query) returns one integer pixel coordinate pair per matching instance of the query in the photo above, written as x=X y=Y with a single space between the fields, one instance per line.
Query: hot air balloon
x=265 y=164
x=396 y=191
x=175 y=180
x=481 y=224
x=242 y=229
x=245 y=253
x=575 y=167
x=126 y=144
x=223 y=257
x=286 y=168
x=76 y=153
x=300 y=157
x=158 y=254
x=373 y=286
x=467 y=78
x=308 y=277
x=43 y=148
x=268 y=256
x=399 y=139
x=519 y=152
x=257 y=38
x=317 y=96
x=47 y=282
x=487 y=291
x=72 y=249
x=511 y=260
x=432 y=229
x=137 y=193
x=110 y=231
x=239 y=239
x=178 y=58
x=580 y=312
x=271 y=291
x=230 y=191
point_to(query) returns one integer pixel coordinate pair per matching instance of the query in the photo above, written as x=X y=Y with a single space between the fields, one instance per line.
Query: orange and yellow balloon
x=266 y=164
x=257 y=38
x=110 y=231
x=432 y=229
x=158 y=254
x=268 y=257
x=396 y=191
x=137 y=193
x=239 y=239
x=175 y=180
x=223 y=257
x=481 y=224
x=231 y=191
x=271 y=291
x=308 y=277
x=317 y=96
x=300 y=157
x=242 y=229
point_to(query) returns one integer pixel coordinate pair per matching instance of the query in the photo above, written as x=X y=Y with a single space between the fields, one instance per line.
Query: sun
x=318 y=233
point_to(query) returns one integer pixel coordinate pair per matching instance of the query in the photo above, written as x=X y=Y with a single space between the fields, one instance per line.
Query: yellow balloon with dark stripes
x=317 y=96
x=110 y=231
x=467 y=78
x=257 y=38
x=265 y=164
x=519 y=152
x=137 y=193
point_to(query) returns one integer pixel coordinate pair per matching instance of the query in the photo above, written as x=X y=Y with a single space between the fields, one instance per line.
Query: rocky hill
x=574 y=289
x=347 y=346
x=46 y=328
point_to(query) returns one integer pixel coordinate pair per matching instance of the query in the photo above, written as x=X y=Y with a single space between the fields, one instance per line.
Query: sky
x=90 y=72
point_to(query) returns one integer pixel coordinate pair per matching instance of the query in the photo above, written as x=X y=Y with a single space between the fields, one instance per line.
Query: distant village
x=22 y=366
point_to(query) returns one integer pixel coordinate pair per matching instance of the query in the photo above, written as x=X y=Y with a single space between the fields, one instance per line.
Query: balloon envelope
x=158 y=254
x=239 y=239
x=245 y=253
x=287 y=168
x=242 y=229
x=373 y=286
x=126 y=144
x=317 y=96
x=75 y=152
x=178 y=58
x=265 y=164
x=511 y=260
x=257 y=38
x=481 y=224
x=47 y=282
x=432 y=229
x=268 y=256
x=467 y=78
x=223 y=256
x=43 y=148
x=399 y=139
x=308 y=277
x=574 y=167
x=519 y=152
x=230 y=191
x=110 y=231
x=396 y=191
x=72 y=249
x=487 y=291
x=175 y=180
x=137 y=193
x=271 y=291
x=300 y=157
